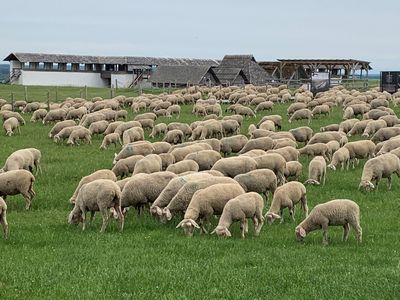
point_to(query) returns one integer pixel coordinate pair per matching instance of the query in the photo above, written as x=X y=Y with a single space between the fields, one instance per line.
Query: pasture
x=47 y=258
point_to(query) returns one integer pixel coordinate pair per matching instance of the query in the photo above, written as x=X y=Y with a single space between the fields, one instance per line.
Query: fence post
x=56 y=93
x=48 y=100
x=86 y=93
x=116 y=85
x=26 y=93
x=12 y=101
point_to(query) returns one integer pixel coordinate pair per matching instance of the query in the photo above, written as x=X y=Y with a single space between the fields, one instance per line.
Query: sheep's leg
x=325 y=234
x=246 y=226
x=91 y=216
x=83 y=219
x=346 y=228
x=258 y=224
x=106 y=217
x=305 y=206
x=242 y=227
x=324 y=175
x=19 y=130
x=357 y=228
x=120 y=217
x=4 y=224
x=390 y=182
x=28 y=201
x=291 y=213
x=281 y=216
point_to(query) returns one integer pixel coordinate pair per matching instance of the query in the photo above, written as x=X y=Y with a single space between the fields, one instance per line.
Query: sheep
x=174 y=110
x=161 y=147
x=386 y=133
x=22 y=159
x=263 y=143
x=301 y=114
x=3 y=217
x=316 y=171
x=389 y=145
x=60 y=126
x=98 y=127
x=283 y=142
x=181 y=152
x=360 y=150
x=260 y=181
x=146 y=123
x=162 y=113
x=55 y=115
x=289 y=153
x=166 y=160
x=295 y=106
x=382 y=166
x=204 y=158
x=267 y=125
x=38 y=115
x=348 y=113
x=185 y=128
x=126 y=166
x=342 y=157
x=274 y=162
x=183 y=166
x=148 y=115
x=237 y=118
x=347 y=125
x=277 y=119
x=158 y=129
x=315 y=150
x=77 y=113
x=144 y=188
x=265 y=105
x=339 y=212
x=98 y=195
x=18 y=182
x=99 y=174
x=79 y=134
x=30 y=107
x=373 y=126
x=205 y=203
x=174 y=136
x=10 y=125
x=65 y=133
x=148 y=164
x=120 y=129
x=245 y=111
x=390 y=120
x=137 y=148
x=358 y=127
x=111 y=138
x=132 y=135
x=302 y=134
x=230 y=127
x=233 y=144
x=321 y=110
x=325 y=137
x=293 y=169
x=233 y=166
x=375 y=114
x=287 y=195
x=171 y=190
x=249 y=205
x=330 y=127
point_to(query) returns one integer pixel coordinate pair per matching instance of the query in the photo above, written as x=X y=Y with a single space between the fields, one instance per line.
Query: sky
x=364 y=29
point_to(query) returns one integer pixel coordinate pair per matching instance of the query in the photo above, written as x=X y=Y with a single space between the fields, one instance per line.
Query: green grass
x=45 y=258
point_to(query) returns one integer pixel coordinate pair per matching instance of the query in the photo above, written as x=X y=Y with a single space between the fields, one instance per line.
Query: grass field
x=45 y=258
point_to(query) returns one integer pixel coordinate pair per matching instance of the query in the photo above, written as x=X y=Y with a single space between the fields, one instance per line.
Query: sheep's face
x=366 y=186
x=222 y=231
x=330 y=166
x=75 y=217
x=312 y=181
x=188 y=226
x=300 y=233
x=271 y=217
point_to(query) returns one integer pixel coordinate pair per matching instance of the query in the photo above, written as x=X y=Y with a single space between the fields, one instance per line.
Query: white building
x=91 y=71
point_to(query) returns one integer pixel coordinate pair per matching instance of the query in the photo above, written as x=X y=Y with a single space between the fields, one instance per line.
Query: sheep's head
x=56 y=138
x=222 y=231
x=330 y=166
x=300 y=233
x=188 y=226
x=270 y=216
x=166 y=214
x=366 y=185
x=75 y=216
x=312 y=182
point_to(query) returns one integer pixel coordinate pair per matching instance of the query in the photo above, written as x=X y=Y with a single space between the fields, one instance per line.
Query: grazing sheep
x=161 y=147
x=3 y=217
x=249 y=205
x=284 y=142
x=321 y=110
x=143 y=116
x=137 y=148
x=158 y=130
x=17 y=182
x=316 y=171
x=293 y=169
x=10 y=125
x=126 y=166
x=98 y=195
x=146 y=123
x=373 y=127
x=360 y=150
x=166 y=160
x=132 y=135
x=301 y=114
x=125 y=126
x=294 y=107
x=375 y=169
x=358 y=127
x=98 y=127
x=289 y=153
x=390 y=120
x=277 y=119
x=330 y=127
x=230 y=127
x=181 y=152
x=183 y=166
x=65 y=133
x=60 y=126
x=99 y=174
x=111 y=138
x=325 y=137
x=233 y=144
x=233 y=166
x=174 y=136
x=245 y=111
x=287 y=195
x=267 y=125
x=185 y=128
x=265 y=105
x=207 y=202
x=339 y=212
x=342 y=157
x=274 y=162
x=315 y=150
x=174 y=110
x=8 y=114
x=38 y=115
x=333 y=146
x=204 y=158
x=55 y=115
x=260 y=181
x=148 y=164
x=347 y=125
x=263 y=143
x=386 y=133
x=302 y=134
x=79 y=134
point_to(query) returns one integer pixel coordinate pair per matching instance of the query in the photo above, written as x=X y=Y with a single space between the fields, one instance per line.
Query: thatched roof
x=181 y=74
x=253 y=72
x=228 y=75
x=123 y=60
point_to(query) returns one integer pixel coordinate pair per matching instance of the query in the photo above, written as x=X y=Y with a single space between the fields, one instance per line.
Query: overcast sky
x=365 y=30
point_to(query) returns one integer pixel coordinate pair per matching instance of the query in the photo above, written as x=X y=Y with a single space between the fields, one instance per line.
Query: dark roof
x=228 y=75
x=362 y=64
x=180 y=74
x=130 y=60
x=254 y=73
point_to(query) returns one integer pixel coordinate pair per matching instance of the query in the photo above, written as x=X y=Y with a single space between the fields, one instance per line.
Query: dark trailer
x=390 y=81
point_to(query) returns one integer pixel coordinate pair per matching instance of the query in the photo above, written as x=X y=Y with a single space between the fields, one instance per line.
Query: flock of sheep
x=207 y=167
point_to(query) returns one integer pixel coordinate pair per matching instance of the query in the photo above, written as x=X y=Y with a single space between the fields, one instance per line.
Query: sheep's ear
x=158 y=211
x=212 y=232
x=371 y=185
x=115 y=154
x=167 y=213
x=181 y=223
x=193 y=222
x=302 y=232
x=276 y=216
x=227 y=232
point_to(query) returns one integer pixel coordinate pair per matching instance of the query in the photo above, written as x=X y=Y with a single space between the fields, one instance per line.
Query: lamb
x=233 y=166
x=233 y=144
x=373 y=127
x=358 y=127
x=382 y=166
x=3 y=217
x=126 y=166
x=360 y=150
x=302 y=134
x=315 y=150
x=60 y=126
x=249 y=205
x=339 y=212
x=316 y=171
x=274 y=162
x=204 y=158
x=99 y=174
x=174 y=136
x=158 y=129
x=38 y=115
x=301 y=114
x=342 y=157
x=263 y=143
x=287 y=195
x=18 y=182
x=207 y=202
x=293 y=169
x=98 y=127
x=79 y=134
x=148 y=164
x=183 y=166
x=98 y=195
x=144 y=189
x=10 y=125
x=260 y=181
x=137 y=148
x=111 y=138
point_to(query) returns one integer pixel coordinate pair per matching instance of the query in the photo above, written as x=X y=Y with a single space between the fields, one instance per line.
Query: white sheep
x=339 y=212
x=316 y=171
x=111 y=138
x=3 y=217
x=183 y=166
x=18 y=182
x=293 y=169
x=260 y=181
x=10 y=125
x=126 y=166
x=79 y=134
x=340 y=157
x=249 y=205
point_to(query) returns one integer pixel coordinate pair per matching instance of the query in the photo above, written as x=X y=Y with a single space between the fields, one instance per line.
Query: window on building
x=69 y=67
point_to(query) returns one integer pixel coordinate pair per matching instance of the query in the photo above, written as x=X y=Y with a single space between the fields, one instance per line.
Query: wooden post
x=169 y=88
x=111 y=93
x=116 y=85
x=12 y=101
x=80 y=93
x=56 y=93
x=48 y=100
x=26 y=93
x=86 y=93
